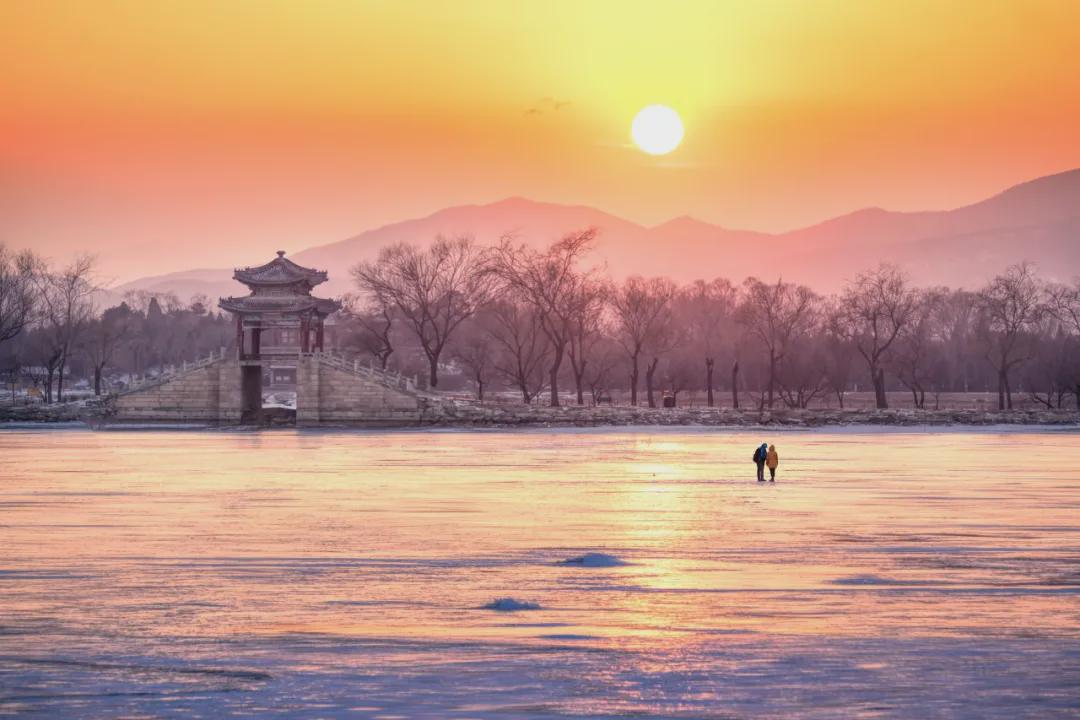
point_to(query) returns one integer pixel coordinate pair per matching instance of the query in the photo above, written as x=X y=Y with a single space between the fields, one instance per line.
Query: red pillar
x=305 y=335
x=319 y=335
x=240 y=337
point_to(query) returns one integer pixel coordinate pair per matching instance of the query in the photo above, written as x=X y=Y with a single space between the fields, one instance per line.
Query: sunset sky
x=171 y=135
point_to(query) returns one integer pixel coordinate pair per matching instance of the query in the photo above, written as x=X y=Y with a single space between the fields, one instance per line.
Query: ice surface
x=913 y=574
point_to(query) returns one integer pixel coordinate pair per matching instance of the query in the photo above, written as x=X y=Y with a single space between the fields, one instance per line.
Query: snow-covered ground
x=539 y=574
x=280 y=399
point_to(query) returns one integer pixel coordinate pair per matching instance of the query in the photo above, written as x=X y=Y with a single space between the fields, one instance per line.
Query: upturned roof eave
x=249 y=277
x=325 y=306
x=293 y=273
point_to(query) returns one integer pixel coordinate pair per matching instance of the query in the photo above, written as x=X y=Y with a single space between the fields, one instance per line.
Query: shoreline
x=453 y=415
x=621 y=416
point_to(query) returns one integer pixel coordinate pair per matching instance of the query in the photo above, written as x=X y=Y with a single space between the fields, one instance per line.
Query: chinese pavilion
x=281 y=302
x=280 y=331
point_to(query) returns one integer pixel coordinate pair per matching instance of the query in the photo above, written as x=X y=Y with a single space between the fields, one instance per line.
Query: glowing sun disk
x=657 y=129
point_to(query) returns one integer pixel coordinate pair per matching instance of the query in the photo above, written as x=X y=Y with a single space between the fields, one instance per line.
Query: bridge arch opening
x=251 y=393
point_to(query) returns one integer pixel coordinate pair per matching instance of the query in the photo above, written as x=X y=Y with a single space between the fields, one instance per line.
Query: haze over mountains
x=1037 y=221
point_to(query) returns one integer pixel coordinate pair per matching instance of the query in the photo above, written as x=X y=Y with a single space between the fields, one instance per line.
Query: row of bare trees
x=49 y=325
x=544 y=320
x=56 y=303
x=531 y=319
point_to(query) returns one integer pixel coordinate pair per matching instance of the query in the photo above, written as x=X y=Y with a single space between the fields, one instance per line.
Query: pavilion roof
x=279 y=304
x=279 y=271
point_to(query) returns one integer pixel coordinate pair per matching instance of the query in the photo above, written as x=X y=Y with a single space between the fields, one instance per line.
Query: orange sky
x=170 y=135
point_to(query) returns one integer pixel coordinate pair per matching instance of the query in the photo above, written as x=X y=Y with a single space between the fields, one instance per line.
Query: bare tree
x=603 y=368
x=775 y=314
x=66 y=311
x=434 y=290
x=681 y=370
x=802 y=379
x=642 y=308
x=12 y=370
x=875 y=309
x=1053 y=372
x=553 y=283
x=739 y=348
x=918 y=343
x=371 y=326
x=47 y=356
x=1065 y=304
x=801 y=374
x=104 y=338
x=705 y=309
x=839 y=353
x=524 y=347
x=474 y=349
x=958 y=316
x=1014 y=304
x=666 y=336
x=587 y=327
x=18 y=291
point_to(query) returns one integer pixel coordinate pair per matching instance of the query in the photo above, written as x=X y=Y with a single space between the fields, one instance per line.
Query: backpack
x=757 y=454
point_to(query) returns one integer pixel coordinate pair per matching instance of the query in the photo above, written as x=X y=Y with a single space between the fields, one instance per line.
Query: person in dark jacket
x=760 y=455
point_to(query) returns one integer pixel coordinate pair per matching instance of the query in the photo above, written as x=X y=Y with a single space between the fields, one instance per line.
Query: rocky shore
x=476 y=415
x=456 y=413
x=56 y=413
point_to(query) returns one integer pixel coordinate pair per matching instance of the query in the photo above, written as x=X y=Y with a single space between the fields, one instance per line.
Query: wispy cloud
x=645 y=159
x=547 y=104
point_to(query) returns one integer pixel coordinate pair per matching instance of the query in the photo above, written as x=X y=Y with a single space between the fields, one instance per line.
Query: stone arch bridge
x=330 y=390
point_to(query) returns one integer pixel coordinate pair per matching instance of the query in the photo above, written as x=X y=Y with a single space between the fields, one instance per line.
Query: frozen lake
x=316 y=574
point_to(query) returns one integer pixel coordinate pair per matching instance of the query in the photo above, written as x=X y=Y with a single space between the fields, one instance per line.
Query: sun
x=657 y=129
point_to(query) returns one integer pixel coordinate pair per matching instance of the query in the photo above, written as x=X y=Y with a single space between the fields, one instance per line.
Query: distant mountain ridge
x=1038 y=220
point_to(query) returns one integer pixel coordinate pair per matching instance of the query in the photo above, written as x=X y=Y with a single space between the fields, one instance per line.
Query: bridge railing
x=368 y=370
x=170 y=372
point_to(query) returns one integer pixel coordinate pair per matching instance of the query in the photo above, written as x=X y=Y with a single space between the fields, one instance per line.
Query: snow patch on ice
x=509 y=604
x=594 y=560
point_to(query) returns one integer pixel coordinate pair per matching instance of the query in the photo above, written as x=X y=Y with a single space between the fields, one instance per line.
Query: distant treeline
x=541 y=320
x=51 y=331
x=549 y=323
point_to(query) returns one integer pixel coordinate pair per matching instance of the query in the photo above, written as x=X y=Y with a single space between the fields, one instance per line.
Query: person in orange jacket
x=772 y=459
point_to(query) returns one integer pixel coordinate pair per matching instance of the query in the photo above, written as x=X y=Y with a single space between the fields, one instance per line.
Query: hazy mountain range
x=1037 y=221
